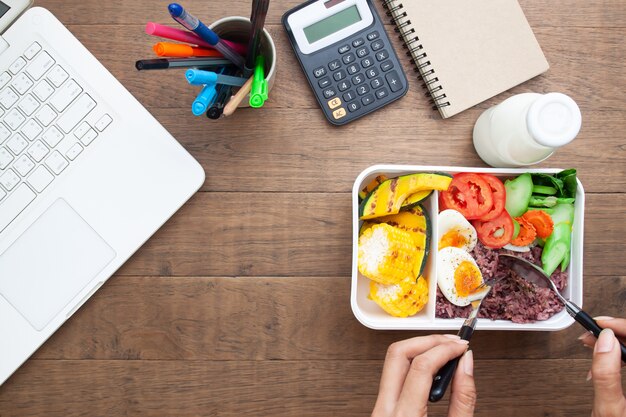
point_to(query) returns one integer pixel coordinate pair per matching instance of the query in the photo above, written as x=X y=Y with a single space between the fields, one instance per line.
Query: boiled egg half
x=458 y=276
x=455 y=231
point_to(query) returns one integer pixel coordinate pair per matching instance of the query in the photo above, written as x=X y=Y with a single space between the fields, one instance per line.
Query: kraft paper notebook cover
x=467 y=50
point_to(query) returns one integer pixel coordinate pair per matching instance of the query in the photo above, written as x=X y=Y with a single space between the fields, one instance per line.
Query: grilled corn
x=403 y=299
x=387 y=254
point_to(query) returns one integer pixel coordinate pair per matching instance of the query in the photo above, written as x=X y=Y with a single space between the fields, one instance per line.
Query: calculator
x=347 y=57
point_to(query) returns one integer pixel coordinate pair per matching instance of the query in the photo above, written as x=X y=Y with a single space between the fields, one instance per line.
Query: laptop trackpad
x=50 y=263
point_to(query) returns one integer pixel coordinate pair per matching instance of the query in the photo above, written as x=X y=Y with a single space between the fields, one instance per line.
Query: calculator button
x=377 y=45
x=372 y=36
x=319 y=72
x=358 y=42
x=329 y=92
x=349 y=58
x=324 y=82
x=377 y=82
x=361 y=52
x=344 y=85
x=382 y=55
x=363 y=89
x=394 y=81
x=371 y=73
x=353 y=69
x=339 y=75
x=382 y=93
x=386 y=66
x=339 y=113
x=358 y=79
x=334 y=65
x=354 y=106
x=349 y=96
x=334 y=103
x=367 y=100
x=367 y=62
x=343 y=49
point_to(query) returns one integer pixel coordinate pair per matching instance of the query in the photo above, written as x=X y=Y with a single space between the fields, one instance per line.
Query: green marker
x=258 y=93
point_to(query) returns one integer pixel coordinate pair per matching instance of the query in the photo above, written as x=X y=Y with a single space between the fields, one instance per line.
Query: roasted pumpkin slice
x=373 y=184
x=415 y=221
x=388 y=197
x=415 y=199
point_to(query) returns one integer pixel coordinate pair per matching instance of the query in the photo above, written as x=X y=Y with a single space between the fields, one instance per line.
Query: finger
x=463 y=397
x=617 y=325
x=396 y=367
x=607 y=381
x=587 y=339
x=414 y=396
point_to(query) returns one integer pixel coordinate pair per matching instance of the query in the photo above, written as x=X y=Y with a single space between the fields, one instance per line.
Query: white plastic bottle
x=526 y=129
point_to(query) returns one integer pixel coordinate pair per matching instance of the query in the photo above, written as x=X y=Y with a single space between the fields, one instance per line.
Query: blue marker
x=204 y=100
x=193 y=24
x=199 y=77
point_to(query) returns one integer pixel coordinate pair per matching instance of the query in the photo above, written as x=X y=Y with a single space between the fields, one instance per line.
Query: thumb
x=463 y=397
x=607 y=382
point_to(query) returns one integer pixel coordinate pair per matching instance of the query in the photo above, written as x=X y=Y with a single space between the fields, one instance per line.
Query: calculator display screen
x=3 y=9
x=332 y=24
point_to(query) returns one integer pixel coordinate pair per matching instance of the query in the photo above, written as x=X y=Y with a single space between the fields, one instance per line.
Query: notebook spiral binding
x=419 y=58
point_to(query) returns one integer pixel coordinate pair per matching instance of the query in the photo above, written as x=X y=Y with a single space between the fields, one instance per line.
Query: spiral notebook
x=467 y=50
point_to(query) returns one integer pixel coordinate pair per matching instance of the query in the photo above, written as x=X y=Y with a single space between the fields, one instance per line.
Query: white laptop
x=87 y=175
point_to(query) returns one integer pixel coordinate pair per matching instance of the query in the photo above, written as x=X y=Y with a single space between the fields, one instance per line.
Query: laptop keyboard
x=42 y=127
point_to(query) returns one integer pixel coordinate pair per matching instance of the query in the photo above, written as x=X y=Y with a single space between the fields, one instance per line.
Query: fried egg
x=455 y=231
x=458 y=276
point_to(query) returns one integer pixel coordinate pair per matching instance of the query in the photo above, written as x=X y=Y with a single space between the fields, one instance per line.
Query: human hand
x=609 y=398
x=410 y=366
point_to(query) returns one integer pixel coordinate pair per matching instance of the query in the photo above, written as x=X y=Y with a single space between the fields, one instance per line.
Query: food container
x=372 y=316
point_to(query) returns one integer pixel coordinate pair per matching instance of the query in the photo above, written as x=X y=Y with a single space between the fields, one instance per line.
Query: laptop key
x=76 y=113
x=56 y=162
x=9 y=179
x=32 y=50
x=57 y=76
x=13 y=205
x=5 y=158
x=65 y=95
x=40 y=65
x=4 y=79
x=40 y=178
x=24 y=165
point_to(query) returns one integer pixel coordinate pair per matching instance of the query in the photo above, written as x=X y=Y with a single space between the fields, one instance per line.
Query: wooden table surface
x=239 y=305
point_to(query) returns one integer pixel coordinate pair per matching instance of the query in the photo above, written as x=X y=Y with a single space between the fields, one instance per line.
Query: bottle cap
x=554 y=120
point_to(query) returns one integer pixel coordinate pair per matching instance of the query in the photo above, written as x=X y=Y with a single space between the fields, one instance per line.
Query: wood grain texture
x=305 y=318
x=239 y=305
x=277 y=388
x=308 y=234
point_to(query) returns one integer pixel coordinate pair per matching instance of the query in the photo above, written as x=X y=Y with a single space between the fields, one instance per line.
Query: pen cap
x=199 y=77
x=237 y=29
x=259 y=93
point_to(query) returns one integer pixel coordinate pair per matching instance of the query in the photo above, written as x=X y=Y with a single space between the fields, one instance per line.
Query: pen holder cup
x=237 y=29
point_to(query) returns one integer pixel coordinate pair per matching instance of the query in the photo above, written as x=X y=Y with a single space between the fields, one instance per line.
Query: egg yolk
x=452 y=238
x=467 y=278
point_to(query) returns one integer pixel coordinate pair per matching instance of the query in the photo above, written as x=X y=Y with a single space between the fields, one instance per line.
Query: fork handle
x=590 y=324
x=445 y=374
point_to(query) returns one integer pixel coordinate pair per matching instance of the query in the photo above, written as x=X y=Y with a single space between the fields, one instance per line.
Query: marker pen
x=199 y=77
x=193 y=24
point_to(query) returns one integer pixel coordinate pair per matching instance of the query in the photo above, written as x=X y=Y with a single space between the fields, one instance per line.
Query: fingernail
x=589 y=376
x=584 y=335
x=605 y=341
x=462 y=342
x=605 y=318
x=452 y=336
x=468 y=363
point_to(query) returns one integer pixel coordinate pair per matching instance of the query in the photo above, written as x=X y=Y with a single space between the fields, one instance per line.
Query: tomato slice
x=469 y=194
x=497 y=232
x=499 y=197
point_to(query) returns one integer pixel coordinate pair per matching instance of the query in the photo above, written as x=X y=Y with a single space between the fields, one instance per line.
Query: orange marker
x=182 y=51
